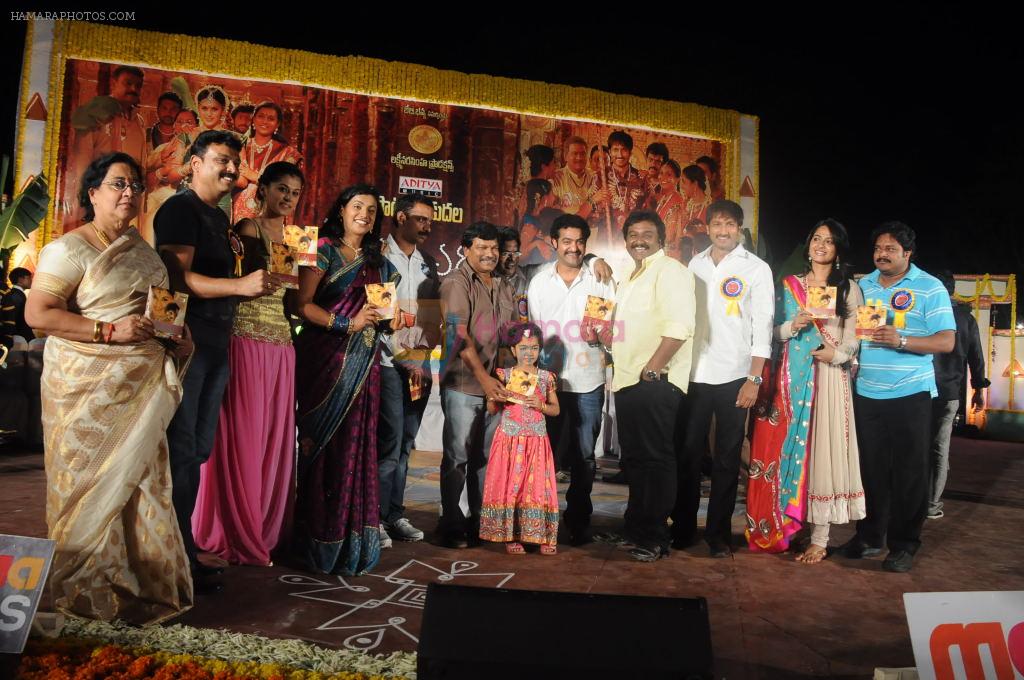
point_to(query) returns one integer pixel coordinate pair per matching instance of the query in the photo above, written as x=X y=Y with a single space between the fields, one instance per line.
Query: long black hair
x=334 y=228
x=838 y=276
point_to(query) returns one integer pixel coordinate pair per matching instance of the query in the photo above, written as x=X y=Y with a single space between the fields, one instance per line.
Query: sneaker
x=385 y=540
x=935 y=514
x=403 y=530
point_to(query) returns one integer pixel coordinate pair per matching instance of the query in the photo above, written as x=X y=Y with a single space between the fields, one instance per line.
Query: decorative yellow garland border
x=983 y=288
x=234 y=59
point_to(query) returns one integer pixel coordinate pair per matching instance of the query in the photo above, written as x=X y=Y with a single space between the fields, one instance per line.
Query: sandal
x=546 y=549
x=812 y=555
x=513 y=548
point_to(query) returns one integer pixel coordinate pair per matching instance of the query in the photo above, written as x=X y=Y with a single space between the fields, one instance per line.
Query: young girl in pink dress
x=520 y=503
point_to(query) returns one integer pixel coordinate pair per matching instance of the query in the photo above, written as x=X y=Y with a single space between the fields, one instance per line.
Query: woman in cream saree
x=109 y=390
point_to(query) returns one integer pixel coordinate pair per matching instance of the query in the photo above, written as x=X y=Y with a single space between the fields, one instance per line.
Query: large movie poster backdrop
x=508 y=168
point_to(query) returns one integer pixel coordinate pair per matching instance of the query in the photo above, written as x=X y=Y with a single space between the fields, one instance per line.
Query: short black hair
x=405 y=202
x=171 y=97
x=644 y=216
x=708 y=161
x=96 y=172
x=725 y=207
x=242 y=108
x=944 y=275
x=658 y=149
x=131 y=70
x=18 y=273
x=903 y=235
x=508 y=234
x=622 y=137
x=569 y=221
x=207 y=139
x=485 y=231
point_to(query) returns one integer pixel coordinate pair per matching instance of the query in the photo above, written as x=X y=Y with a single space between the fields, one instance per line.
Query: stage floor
x=771 y=617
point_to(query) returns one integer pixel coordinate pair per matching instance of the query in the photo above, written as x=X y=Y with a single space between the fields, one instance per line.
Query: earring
x=837 y=263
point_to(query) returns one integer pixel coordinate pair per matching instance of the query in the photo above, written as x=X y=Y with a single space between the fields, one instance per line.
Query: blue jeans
x=191 y=432
x=400 y=419
x=466 y=440
x=580 y=419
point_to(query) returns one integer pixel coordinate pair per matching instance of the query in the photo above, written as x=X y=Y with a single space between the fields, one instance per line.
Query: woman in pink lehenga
x=246 y=487
x=520 y=503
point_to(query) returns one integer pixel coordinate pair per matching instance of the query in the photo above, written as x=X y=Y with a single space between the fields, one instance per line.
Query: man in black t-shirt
x=192 y=238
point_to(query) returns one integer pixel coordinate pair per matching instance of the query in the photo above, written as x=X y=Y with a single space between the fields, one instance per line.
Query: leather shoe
x=719 y=549
x=683 y=543
x=899 y=561
x=454 y=541
x=856 y=549
x=580 y=536
x=618 y=478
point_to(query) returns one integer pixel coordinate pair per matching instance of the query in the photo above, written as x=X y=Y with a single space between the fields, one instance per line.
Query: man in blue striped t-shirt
x=895 y=387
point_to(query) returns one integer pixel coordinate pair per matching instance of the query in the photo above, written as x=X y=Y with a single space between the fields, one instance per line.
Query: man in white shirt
x=557 y=299
x=735 y=308
x=405 y=361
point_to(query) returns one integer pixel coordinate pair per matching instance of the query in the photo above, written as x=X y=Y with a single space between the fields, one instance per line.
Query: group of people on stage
x=112 y=123
x=603 y=187
x=241 y=435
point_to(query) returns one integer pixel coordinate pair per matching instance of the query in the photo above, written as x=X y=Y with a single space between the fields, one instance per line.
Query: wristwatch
x=652 y=375
x=756 y=379
x=903 y=342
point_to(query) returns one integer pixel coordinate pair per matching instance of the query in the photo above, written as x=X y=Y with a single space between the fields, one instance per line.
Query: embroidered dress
x=805 y=465
x=520 y=493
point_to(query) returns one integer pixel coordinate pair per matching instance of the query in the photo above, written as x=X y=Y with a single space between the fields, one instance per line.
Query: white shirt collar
x=393 y=248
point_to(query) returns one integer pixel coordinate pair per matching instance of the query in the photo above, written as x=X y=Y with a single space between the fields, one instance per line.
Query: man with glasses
x=405 y=376
x=895 y=388
x=735 y=309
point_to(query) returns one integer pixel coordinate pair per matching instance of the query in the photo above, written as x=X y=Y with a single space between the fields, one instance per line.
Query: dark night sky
x=894 y=116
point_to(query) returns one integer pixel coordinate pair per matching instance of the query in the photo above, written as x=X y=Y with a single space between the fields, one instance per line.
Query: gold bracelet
x=330 y=322
x=97 y=330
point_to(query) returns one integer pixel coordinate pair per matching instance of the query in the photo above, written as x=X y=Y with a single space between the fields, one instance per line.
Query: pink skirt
x=520 y=492
x=247 y=486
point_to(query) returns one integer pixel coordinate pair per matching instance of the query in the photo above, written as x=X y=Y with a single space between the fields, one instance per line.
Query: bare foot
x=813 y=555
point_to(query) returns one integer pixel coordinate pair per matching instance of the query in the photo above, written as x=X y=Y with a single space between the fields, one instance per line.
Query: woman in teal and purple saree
x=338 y=390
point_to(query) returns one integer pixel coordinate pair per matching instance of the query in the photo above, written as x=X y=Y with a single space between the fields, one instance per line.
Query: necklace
x=351 y=247
x=100 y=235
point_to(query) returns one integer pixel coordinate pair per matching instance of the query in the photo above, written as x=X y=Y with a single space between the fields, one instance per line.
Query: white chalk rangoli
x=408 y=589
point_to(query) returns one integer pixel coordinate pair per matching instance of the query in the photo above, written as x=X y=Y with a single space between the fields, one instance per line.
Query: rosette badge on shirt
x=902 y=301
x=732 y=290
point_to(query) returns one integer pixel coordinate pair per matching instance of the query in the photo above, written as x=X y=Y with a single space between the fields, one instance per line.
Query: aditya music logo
x=418 y=185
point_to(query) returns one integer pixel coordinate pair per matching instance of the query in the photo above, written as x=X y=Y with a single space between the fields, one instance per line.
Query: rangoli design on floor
x=402 y=589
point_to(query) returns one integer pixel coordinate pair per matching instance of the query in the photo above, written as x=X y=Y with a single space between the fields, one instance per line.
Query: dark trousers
x=579 y=422
x=191 y=432
x=703 y=402
x=648 y=416
x=893 y=437
x=400 y=419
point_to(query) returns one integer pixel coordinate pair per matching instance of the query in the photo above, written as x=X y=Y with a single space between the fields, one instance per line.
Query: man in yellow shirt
x=654 y=315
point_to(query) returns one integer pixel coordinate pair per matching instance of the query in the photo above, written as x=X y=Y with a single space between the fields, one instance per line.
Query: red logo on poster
x=1007 y=653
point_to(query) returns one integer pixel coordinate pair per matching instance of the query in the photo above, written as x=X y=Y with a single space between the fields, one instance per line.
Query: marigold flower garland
x=93 y=649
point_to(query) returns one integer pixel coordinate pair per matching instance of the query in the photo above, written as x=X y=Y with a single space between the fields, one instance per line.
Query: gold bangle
x=330 y=322
x=97 y=330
